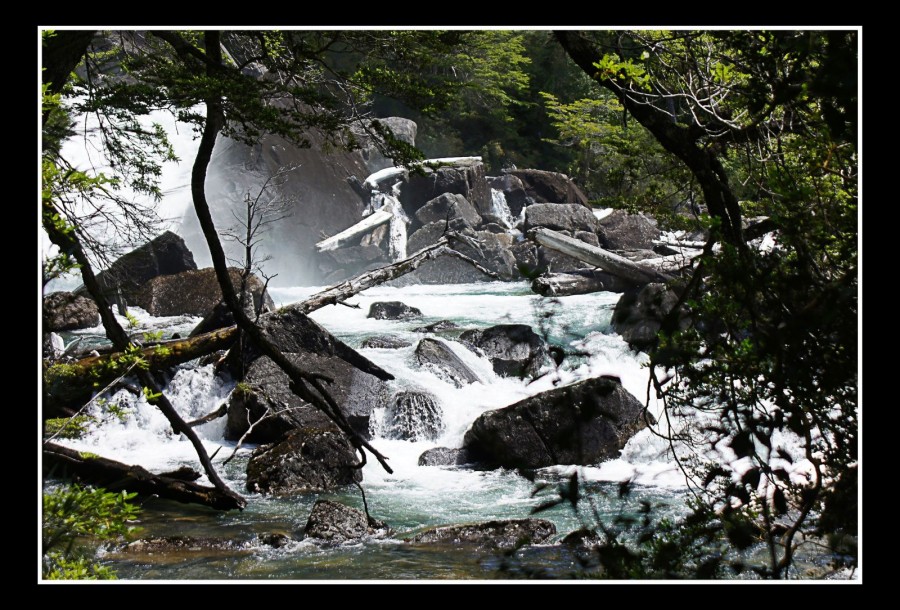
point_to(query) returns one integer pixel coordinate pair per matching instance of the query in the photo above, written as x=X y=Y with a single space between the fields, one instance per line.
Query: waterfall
x=501 y=209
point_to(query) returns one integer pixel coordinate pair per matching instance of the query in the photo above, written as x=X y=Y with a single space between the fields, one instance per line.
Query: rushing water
x=412 y=497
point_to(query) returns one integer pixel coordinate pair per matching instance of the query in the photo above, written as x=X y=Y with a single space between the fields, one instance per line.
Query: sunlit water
x=413 y=497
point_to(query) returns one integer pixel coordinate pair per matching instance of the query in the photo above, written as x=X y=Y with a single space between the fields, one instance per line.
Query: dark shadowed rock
x=180 y=544
x=437 y=327
x=560 y=217
x=467 y=180
x=506 y=534
x=623 y=231
x=166 y=254
x=195 y=293
x=446 y=207
x=493 y=227
x=550 y=187
x=444 y=456
x=385 y=342
x=68 y=311
x=639 y=313
x=266 y=389
x=434 y=354
x=513 y=349
x=413 y=416
x=337 y=523
x=584 y=423
x=393 y=310
x=274 y=539
x=308 y=459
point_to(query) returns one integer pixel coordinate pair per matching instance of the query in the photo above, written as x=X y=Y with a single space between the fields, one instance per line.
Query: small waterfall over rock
x=501 y=209
x=413 y=416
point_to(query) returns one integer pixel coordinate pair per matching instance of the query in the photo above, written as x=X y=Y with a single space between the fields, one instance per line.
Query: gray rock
x=467 y=180
x=337 y=523
x=505 y=534
x=446 y=207
x=413 y=416
x=513 y=349
x=550 y=187
x=166 y=254
x=384 y=342
x=427 y=235
x=494 y=255
x=435 y=354
x=639 y=313
x=584 y=423
x=623 y=231
x=437 y=327
x=587 y=237
x=444 y=456
x=308 y=459
x=68 y=311
x=393 y=310
x=194 y=293
x=560 y=217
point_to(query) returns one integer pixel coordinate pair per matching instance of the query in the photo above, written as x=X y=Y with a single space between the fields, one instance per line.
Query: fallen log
x=114 y=476
x=579 y=282
x=367 y=224
x=609 y=262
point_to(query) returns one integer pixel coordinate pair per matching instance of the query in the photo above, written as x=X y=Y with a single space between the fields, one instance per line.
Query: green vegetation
x=65 y=427
x=74 y=520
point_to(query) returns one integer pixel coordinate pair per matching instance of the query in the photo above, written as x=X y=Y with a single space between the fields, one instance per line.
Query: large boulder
x=195 y=293
x=550 y=187
x=448 y=206
x=494 y=254
x=583 y=423
x=465 y=179
x=435 y=355
x=429 y=234
x=166 y=254
x=623 y=231
x=357 y=383
x=413 y=416
x=308 y=459
x=335 y=522
x=640 y=311
x=393 y=310
x=560 y=217
x=514 y=350
x=403 y=129
x=68 y=311
x=507 y=534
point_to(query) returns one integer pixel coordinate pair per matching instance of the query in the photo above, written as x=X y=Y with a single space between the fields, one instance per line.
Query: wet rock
x=493 y=227
x=560 y=217
x=265 y=394
x=274 y=540
x=384 y=342
x=68 y=311
x=166 y=254
x=52 y=346
x=413 y=416
x=550 y=187
x=337 y=523
x=446 y=207
x=444 y=456
x=437 y=327
x=195 y=293
x=393 y=310
x=623 y=231
x=514 y=190
x=308 y=459
x=466 y=179
x=435 y=354
x=498 y=535
x=583 y=423
x=639 y=313
x=178 y=544
x=514 y=350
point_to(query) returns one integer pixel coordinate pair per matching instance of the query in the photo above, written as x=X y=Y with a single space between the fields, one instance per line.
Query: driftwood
x=609 y=262
x=115 y=476
x=367 y=224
